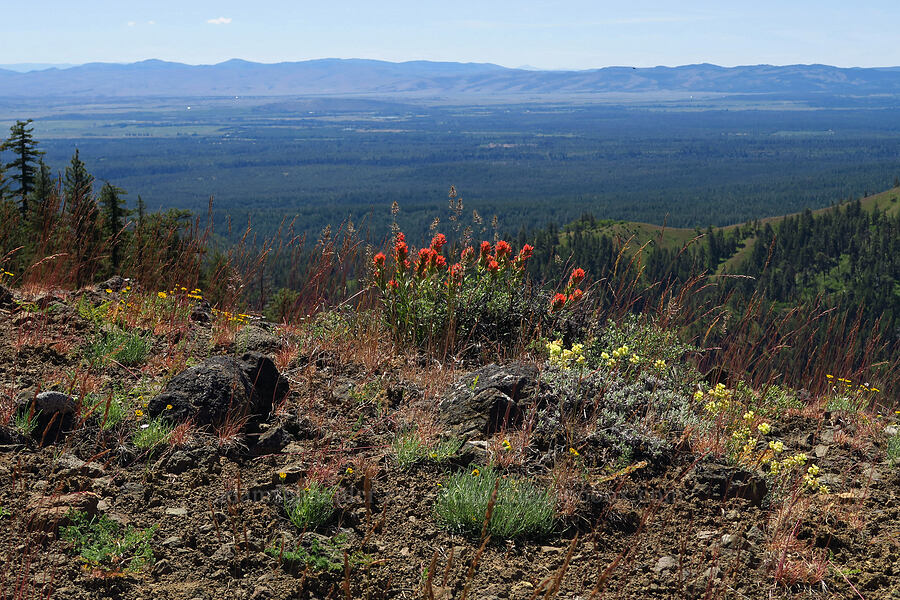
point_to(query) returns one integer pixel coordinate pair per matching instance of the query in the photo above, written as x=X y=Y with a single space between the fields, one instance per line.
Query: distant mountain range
x=156 y=78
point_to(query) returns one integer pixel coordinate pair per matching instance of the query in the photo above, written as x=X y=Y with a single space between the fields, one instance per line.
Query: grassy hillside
x=674 y=238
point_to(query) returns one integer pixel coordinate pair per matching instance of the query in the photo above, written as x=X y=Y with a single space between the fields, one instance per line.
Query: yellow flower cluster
x=232 y=317
x=659 y=365
x=848 y=385
x=618 y=353
x=564 y=358
x=5 y=274
x=811 y=480
x=720 y=398
x=785 y=464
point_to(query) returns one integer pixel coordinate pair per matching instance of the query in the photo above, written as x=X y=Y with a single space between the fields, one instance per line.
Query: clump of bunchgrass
x=126 y=348
x=103 y=545
x=893 y=449
x=409 y=448
x=110 y=412
x=150 y=435
x=521 y=508
x=25 y=421
x=311 y=507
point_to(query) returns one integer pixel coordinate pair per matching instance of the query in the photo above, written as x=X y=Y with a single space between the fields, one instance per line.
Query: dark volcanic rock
x=53 y=414
x=718 y=481
x=221 y=386
x=272 y=440
x=484 y=401
x=202 y=312
x=6 y=297
x=115 y=283
x=253 y=338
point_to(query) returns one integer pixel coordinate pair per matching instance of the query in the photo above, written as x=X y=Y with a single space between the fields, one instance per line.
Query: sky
x=576 y=34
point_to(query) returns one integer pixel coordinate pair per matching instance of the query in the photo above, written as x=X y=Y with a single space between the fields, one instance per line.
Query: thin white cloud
x=151 y=22
x=219 y=21
x=131 y=23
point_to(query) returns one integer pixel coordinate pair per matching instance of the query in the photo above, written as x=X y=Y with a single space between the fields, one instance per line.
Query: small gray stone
x=177 y=511
x=179 y=462
x=729 y=540
x=72 y=465
x=666 y=563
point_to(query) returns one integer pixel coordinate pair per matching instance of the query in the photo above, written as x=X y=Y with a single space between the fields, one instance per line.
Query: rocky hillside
x=152 y=446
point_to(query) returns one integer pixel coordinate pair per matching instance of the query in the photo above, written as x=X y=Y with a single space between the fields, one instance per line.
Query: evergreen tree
x=22 y=144
x=44 y=200
x=78 y=185
x=83 y=219
x=43 y=184
x=4 y=184
x=112 y=207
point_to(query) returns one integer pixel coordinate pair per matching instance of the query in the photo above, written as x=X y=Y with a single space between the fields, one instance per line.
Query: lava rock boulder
x=490 y=399
x=6 y=297
x=220 y=388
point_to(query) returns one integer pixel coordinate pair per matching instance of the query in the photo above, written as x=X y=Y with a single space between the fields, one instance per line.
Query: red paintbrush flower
x=438 y=241
x=401 y=251
x=503 y=250
x=558 y=301
x=576 y=277
x=526 y=252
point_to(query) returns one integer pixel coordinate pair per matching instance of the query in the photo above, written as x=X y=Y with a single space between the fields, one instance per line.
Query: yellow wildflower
x=139 y=413
x=475 y=472
x=282 y=475
x=162 y=295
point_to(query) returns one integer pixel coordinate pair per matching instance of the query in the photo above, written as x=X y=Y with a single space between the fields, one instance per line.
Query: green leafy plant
x=319 y=554
x=312 y=507
x=102 y=543
x=152 y=434
x=521 y=509
x=89 y=312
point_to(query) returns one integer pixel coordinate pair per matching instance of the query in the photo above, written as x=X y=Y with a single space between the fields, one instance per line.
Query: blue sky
x=577 y=34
